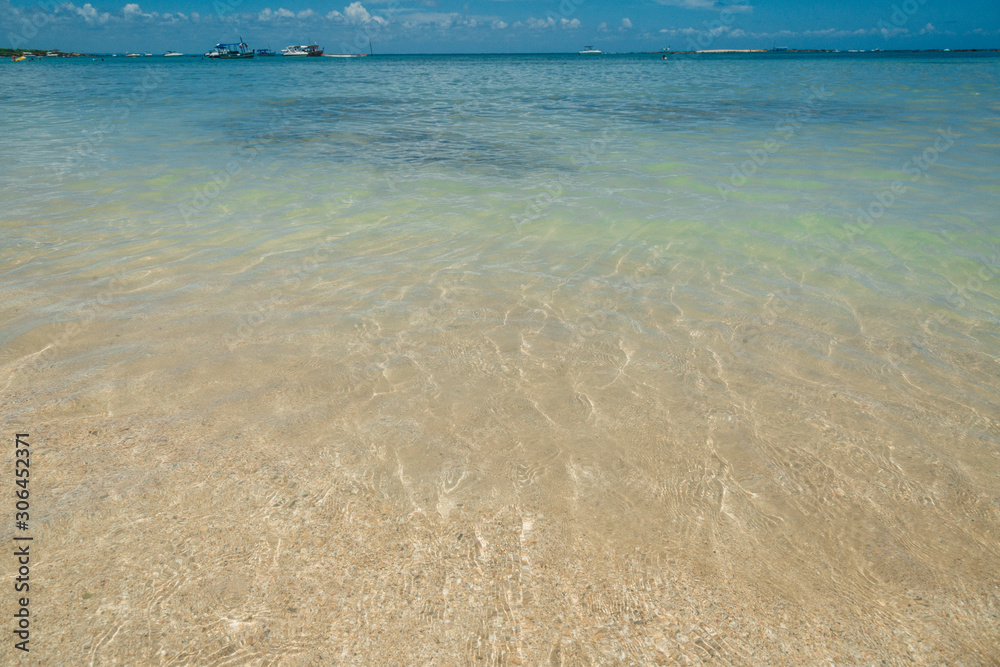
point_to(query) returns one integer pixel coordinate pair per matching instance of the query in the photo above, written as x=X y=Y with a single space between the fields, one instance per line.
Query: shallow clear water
x=696 y=354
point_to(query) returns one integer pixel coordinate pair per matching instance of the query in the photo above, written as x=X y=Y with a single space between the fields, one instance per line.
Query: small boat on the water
x=265 y=52
x=172 y=54
x=230 y=51
x=307 y=50
x=589 y=50
x=133 y=55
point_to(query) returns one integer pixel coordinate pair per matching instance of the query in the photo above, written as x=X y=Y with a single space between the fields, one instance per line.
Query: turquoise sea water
x=741 y=155
x=738 y=313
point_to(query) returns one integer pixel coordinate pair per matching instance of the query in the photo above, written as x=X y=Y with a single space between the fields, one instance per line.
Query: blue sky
x=498 y=26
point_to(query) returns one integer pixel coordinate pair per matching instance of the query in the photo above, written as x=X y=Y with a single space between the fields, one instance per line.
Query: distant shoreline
x=42 y=53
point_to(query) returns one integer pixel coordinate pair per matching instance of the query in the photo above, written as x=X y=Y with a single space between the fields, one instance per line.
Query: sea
x=505 y=359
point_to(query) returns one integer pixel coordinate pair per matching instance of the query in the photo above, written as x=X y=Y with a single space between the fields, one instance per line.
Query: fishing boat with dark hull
x=230 y=51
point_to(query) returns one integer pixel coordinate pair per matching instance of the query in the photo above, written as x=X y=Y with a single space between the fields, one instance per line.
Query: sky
x=497 y=26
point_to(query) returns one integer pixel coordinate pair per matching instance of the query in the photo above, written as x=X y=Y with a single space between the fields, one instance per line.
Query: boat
x=302 y=50
x=265 y=52
x=589 y=50
x=230 y=51
x=133 y=55
x=170 y=54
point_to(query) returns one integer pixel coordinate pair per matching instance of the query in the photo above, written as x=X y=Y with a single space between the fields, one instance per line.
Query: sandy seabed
x=454 y=469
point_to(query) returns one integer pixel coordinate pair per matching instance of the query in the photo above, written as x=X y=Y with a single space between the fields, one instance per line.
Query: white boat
x=170 y=54
x=302 y=50
x=589 y=50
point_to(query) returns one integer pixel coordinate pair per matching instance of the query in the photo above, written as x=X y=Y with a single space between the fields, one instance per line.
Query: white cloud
x=356 y=13
x=134 y=11
x=540 y=24
x=550 y=22
x=690 y=32
x=499 y=25
x=626 y=23
x=88 y=13
x=267 y=15
x=894 y=32
x=928 y=29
